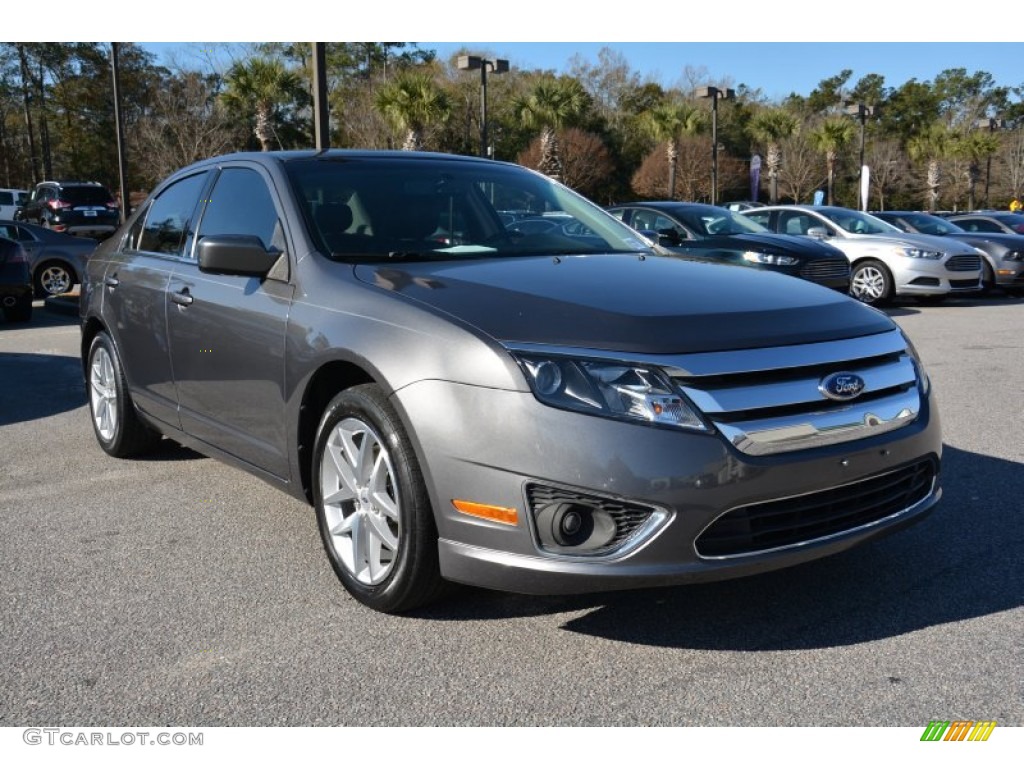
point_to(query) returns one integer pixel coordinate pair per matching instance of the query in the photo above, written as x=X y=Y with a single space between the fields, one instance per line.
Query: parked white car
x=885 y=261
x=10 y=201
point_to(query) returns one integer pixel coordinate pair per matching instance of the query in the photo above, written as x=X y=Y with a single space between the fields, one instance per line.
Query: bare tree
x=889 y=169
x=586 y=163
x=187 y=123
x=800 y=172
x=1012 y=156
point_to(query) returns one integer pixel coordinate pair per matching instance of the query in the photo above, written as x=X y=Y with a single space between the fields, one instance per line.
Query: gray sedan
x=56 y=261
x=542 y=412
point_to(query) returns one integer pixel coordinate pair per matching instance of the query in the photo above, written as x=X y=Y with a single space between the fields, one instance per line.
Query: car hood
x=1015 y=242
x=786 y=244
x=909 y=240
x=627 y=303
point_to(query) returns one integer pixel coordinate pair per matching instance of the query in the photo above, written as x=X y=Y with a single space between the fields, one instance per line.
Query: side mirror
x=818 y=233
x=235 y=255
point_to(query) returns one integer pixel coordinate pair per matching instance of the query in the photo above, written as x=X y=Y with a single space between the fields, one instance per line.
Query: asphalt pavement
x=174 y=590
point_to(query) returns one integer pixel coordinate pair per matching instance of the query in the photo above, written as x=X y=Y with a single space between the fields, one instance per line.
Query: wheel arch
x=90 y=327
x=327 y=381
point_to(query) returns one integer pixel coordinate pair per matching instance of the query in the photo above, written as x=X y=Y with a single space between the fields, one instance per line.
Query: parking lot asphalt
x=174 y=590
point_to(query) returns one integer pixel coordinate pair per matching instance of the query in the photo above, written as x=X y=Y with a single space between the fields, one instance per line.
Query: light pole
x=497 y=66
x=993 y=125
x=122 y=163
x=713 y=93
x=862 y=112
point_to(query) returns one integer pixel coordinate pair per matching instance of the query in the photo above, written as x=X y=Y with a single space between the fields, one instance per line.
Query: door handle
x=112 y=281
x=183 y=298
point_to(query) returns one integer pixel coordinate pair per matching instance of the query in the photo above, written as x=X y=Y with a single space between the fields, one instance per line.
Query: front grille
x=960 y=284
x=627 y=516
x=801 y=519
x=827 y=269
x=964 y=263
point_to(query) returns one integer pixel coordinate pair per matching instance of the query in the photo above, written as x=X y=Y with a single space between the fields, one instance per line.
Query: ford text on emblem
x=841 y=386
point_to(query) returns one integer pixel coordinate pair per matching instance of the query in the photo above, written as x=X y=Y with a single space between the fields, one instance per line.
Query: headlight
x=918 y=253
x=775 y=259
x=1013 y=256
x=922 y=375
x=614 y=390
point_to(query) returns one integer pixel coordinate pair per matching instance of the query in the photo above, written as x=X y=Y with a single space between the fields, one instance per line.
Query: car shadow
x=34 y=386
x=962 y=562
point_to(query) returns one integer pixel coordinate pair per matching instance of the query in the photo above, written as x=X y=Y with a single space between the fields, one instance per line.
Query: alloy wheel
x=360 y=501
x=868 y=283
x=55 y=280
x=103 y=394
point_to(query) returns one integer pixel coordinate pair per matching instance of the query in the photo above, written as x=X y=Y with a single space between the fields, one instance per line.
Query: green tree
x=259 y=88
x=412 y=102
x=769 y=127
x=831 y=138
x=973 y=148
x=666 y=122
x=552 y=104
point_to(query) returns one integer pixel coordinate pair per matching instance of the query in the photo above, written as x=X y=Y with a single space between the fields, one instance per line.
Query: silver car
x=460 y=400
x=885 y=261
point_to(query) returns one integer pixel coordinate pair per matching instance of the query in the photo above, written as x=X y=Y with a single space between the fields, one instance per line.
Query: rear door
x=135 y=286
x=227 y=333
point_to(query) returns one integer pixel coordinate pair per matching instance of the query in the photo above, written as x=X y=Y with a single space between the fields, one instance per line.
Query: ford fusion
x=553 y=410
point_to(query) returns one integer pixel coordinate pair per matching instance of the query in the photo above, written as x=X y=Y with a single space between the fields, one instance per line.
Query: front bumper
x=916 y=277
x=487 y=446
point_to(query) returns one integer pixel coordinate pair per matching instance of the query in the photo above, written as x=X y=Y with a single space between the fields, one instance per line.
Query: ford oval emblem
x=841 y=386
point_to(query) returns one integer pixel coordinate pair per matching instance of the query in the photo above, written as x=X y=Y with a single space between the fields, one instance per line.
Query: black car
x=15 y=282
x=1003 y=265
x=723 y=236
x=73 y=207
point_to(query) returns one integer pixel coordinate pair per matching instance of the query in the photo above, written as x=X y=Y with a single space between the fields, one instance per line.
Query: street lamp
x=993 y=125
x=494 y=65
x=713 y=93
x=862 y=112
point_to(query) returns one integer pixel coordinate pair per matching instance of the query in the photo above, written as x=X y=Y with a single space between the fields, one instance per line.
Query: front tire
x=871 y=283
x=118 y=428
x=372 y=506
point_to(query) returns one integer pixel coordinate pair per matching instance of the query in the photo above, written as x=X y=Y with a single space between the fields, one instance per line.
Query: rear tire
x=53 y=278
x=119 y=430
x=372 y=506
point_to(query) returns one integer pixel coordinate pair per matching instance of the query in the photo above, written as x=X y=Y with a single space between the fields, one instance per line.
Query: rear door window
x=167 y=222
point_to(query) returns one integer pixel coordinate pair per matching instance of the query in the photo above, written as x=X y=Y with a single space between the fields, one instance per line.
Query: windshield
x=927 y=224
x=375 y=209
x=711 y=221
x=857 y=223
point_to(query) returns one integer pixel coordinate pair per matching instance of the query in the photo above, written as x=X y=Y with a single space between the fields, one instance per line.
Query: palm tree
x=412 y=102
x=666 y=122
x=769 y=127
x=931 y=146
x=258 y=87
x=974 y=147
x=552 y=105
x=832 y=137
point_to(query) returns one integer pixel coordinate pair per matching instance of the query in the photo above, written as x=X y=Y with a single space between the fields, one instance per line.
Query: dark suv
x=75 y=207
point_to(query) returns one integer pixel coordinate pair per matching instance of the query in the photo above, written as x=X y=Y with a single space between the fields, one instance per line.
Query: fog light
x=574 y=527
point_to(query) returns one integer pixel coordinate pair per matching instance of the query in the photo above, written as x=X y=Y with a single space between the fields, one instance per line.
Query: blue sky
x=777 y=68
